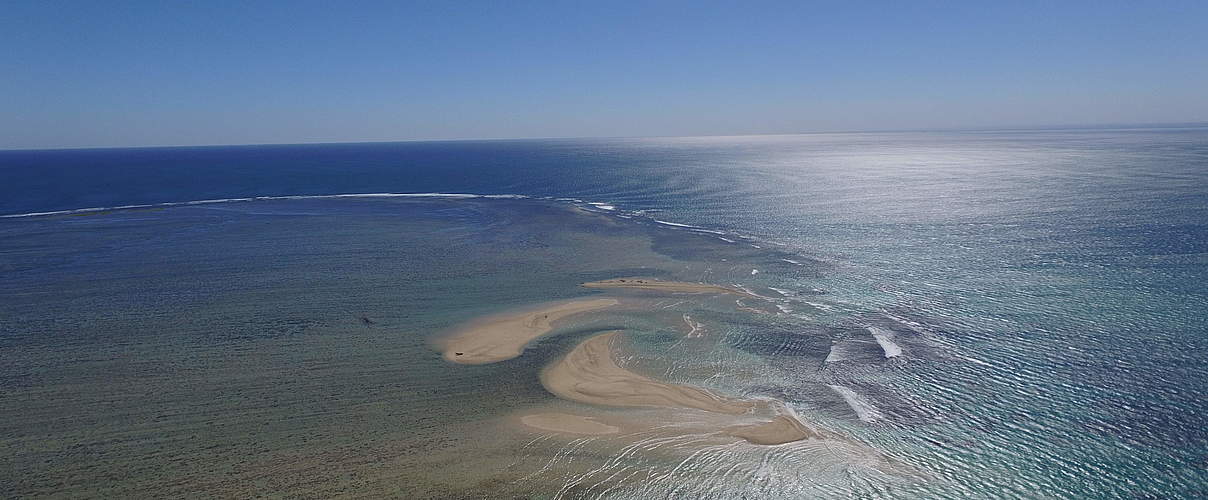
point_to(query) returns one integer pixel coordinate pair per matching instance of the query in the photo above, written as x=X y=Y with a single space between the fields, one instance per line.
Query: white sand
x=503 y=336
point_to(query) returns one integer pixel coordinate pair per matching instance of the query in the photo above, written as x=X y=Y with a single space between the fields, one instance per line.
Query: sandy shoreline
x=589 y=374
x=503 y=336
x=666 y=286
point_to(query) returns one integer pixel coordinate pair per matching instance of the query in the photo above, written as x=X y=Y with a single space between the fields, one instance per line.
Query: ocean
x=993 y=314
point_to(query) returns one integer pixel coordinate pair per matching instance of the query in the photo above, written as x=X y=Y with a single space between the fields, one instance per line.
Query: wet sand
x=500 y=337
x=782 y=429
x=589 y=374
x=666 y=286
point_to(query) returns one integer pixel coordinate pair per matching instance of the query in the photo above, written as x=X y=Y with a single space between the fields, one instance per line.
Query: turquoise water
x=1039 y=294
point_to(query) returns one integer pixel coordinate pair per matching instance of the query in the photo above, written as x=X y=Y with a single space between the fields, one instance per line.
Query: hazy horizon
x=1019 y=128
x=142 y=74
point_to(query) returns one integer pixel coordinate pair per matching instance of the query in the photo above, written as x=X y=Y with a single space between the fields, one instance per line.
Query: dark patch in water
x=695 y=246
x=662 y=337
x=813 y=341
x=894 y=409
x=615 y=273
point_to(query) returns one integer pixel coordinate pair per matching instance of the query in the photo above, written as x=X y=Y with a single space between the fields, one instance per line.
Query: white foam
x=698 y=330
x=200 y=202
x=791 y=261
x=394 y=195
x=819 y=305
x=754 y=272
x=835 y=353
x=916 y=326
x=973 y=360
x=885 y=339
x=676 y=224
x=602 y=206
x=781 y=291
x=748 y=291
x=269 y=198
x=864 y=409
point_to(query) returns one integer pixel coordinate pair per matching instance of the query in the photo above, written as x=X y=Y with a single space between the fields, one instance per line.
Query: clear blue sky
x=110 y=73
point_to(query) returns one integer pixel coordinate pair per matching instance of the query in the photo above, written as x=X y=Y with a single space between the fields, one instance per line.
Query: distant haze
x=83 y=74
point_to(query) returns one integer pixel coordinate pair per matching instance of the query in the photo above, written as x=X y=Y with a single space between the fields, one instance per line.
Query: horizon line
x=1009 y=128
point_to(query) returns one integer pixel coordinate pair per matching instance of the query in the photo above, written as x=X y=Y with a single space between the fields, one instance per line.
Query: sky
x=114 y=73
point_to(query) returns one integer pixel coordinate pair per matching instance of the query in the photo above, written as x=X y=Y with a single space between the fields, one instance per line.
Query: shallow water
x=1000 y=314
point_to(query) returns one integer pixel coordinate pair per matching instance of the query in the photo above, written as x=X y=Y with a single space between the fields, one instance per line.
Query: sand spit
x=589 y=374
x=782 y=429
x=568 y=424
x=667 y=286
x=499 y=337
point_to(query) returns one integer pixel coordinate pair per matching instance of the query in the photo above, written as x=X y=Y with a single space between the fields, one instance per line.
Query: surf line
x=269 y=198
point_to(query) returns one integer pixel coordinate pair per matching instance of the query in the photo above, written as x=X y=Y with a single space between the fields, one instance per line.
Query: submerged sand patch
x=589 y=374
x=567 y=423
x=503 y=336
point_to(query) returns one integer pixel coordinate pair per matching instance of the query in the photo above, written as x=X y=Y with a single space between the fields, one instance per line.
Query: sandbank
x=499 y=337
x=666 y=286
x=589 y=374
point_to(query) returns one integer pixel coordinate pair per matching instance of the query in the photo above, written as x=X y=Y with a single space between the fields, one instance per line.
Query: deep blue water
x=1077 y=168
x=1068 y=266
